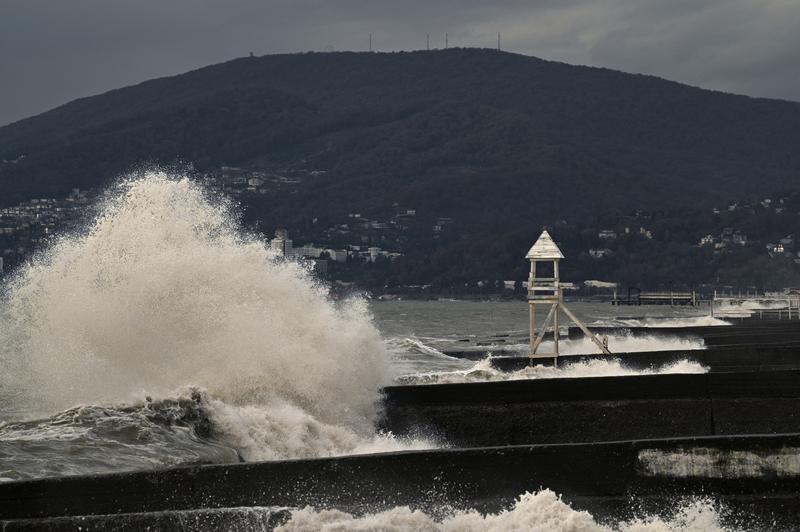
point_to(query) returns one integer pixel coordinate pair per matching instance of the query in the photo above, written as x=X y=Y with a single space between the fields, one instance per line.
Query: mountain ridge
x=372 y=90
x=499 y=142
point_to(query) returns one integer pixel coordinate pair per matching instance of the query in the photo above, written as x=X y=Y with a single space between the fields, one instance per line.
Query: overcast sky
x=53 y=51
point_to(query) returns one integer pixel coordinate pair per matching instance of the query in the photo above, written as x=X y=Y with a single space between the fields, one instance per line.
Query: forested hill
x=499 y=142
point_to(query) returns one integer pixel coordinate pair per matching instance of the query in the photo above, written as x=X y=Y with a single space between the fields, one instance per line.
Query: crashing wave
x=483 y=371
x=164 y=290
x=543 y=511
x=190 y=427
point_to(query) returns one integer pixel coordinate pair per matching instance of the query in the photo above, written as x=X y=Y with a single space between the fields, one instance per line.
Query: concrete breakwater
x=716 y=359
x=754 y=476
x=598 y=408
x=204 y=519
x=760 y=335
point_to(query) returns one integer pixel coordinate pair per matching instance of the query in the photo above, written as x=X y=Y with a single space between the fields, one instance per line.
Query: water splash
x=543 y=511
x=624 y=343
x=163 y=290
x=483 y=371
x=673 y=322
x=620 y=342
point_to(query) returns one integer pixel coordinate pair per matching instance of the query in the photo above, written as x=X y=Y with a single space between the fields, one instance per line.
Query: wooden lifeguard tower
x=548 y=292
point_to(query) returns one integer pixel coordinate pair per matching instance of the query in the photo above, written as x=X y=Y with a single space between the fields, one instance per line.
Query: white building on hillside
x=282 y=244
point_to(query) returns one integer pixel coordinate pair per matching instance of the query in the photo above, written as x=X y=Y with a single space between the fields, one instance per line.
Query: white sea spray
x=542 y=511
x=164 y=291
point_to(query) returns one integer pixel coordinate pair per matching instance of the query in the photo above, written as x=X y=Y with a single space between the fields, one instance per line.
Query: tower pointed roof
x=544 y=249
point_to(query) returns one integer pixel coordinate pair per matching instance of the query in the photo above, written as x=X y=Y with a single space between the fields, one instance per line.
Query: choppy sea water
x=418 y=335
x=162 y=334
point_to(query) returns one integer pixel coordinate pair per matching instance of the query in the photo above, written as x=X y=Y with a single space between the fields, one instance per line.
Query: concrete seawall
x=737 y=358
x=779 y=333
x=756 y=475
x=239 y=519
x=598 y=408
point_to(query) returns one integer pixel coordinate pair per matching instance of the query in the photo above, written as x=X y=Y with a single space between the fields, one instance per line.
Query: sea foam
x=542 y=511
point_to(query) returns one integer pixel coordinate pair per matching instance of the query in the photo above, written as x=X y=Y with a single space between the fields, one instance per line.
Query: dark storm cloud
x=54 y=51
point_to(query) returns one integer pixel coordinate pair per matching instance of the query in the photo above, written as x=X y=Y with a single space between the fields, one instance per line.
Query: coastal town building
x=707 y=240
x=282 y=244
x=600 y=253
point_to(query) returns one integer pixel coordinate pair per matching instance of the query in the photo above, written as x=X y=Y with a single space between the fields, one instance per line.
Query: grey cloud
x=55 y=51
